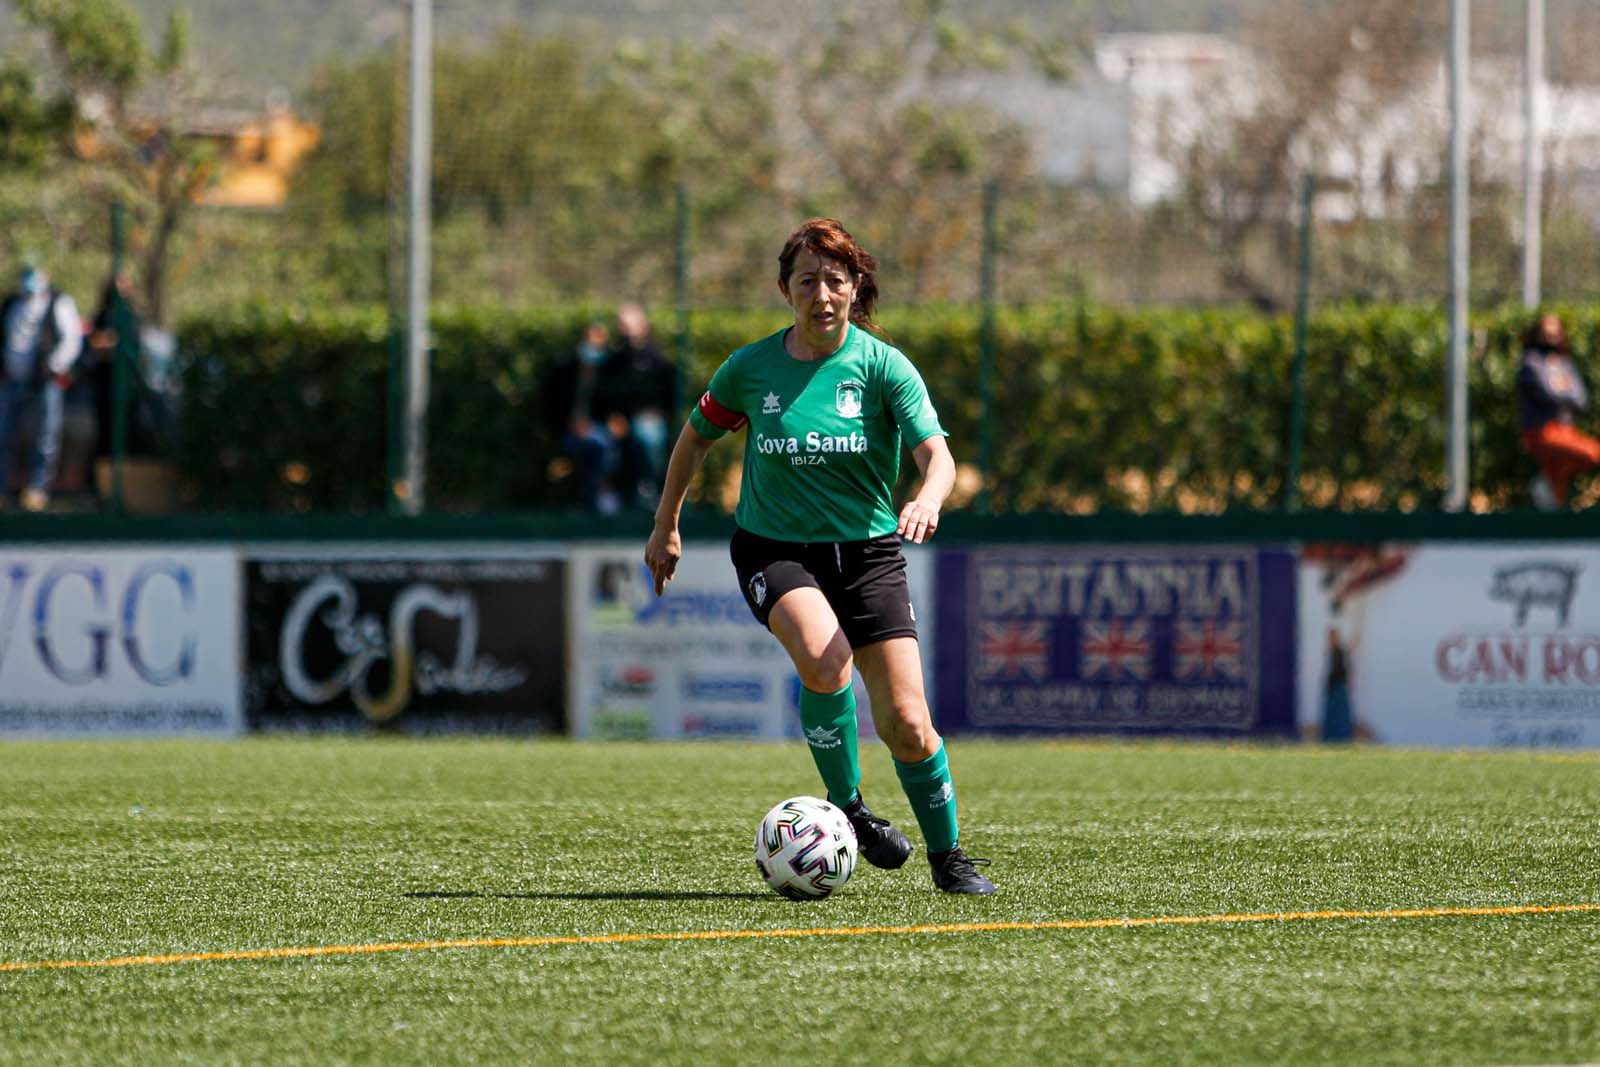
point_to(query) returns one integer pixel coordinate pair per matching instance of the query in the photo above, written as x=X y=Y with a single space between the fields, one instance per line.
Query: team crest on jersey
x=847 y=398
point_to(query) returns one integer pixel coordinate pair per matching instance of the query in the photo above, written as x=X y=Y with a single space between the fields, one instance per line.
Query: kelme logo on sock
x=823 y=737
x=945 y=794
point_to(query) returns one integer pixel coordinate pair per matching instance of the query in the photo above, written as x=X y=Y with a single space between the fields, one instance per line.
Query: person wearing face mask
x=572 y=399
x=827 y=404
x=1550 y=396
x=638 y=394
x=42 y=338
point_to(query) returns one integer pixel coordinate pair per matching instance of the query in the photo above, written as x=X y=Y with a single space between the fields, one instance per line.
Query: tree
x=1321 y=77
x=29 y=124
x=870 y=126
x=129 y=128
x=555 y=159
x=581 y=145
x=708 y=126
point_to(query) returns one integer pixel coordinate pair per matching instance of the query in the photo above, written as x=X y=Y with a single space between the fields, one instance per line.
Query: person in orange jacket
x=1550 y=394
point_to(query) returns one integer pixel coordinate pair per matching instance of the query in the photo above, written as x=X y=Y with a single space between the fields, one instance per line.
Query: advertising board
x=1452 y=645
x=408 y=641
x=119 y=641
x=1117 y=639
x=693 y=663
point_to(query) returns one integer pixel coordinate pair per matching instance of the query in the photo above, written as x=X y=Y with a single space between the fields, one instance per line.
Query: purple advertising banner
x=1103 y=639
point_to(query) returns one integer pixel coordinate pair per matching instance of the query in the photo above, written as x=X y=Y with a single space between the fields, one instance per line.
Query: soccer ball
x=805 y=848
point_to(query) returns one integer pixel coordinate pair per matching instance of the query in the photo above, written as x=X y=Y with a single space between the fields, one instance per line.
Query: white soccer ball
x=805 y=848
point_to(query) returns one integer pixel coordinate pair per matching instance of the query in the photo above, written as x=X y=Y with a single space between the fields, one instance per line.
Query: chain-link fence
x=1042 y=165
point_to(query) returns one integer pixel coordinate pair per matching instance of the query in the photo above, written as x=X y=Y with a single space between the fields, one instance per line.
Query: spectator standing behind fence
x=43 y=336
x=572 y=408
x=1550 y=393
x=114 y=325
x=638 y=396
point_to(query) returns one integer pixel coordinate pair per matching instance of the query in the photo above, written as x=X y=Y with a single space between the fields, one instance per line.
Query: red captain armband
x=719 y=416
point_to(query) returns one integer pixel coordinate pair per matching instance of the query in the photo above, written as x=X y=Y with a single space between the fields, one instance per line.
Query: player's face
x=820 y=291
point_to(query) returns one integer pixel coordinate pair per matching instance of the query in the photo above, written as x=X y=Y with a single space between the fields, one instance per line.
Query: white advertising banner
x=691 y=664
x=119 y=641
x=1453 y=645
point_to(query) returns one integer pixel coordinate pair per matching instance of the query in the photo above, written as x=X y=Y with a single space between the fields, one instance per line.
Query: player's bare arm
x=920 y=517
x=665 y=547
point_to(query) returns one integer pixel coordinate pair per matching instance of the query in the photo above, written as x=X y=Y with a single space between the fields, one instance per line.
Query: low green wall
x=958 y=528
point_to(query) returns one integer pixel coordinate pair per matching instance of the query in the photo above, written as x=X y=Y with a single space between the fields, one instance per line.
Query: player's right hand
x=661 y=554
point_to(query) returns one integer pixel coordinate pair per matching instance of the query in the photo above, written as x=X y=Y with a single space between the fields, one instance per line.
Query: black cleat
x=877 y=839
x=956 y=872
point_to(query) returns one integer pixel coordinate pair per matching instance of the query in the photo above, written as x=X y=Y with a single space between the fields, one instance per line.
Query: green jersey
x=823 y=449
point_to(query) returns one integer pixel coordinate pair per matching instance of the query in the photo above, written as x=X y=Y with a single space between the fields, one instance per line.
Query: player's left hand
x=918 y=521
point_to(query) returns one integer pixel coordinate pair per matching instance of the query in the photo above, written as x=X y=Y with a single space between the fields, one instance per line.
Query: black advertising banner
x=412 y=645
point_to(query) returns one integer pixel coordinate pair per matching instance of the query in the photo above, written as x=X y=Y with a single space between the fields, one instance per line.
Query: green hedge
x=1095 y=407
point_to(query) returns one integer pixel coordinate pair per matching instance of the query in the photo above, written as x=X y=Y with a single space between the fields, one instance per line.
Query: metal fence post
x=1302 y=308
x=680 y=293
x=1458 y=471
x=1533 y=119
x=124 y=351
x=986 y=346
x=396 y=437
x=419 y=237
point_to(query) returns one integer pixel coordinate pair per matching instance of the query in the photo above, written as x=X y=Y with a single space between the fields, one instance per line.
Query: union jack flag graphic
x=1208 y=649
x=1114 y=648
x=1014 y=649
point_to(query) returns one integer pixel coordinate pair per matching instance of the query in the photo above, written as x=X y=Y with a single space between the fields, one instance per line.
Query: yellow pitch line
x=789 y=932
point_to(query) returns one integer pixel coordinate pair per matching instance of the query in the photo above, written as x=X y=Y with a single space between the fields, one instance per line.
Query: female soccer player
x=817 y=550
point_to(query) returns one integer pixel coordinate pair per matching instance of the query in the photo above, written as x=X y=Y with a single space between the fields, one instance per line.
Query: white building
x=1124 y=123
x=1177 y=86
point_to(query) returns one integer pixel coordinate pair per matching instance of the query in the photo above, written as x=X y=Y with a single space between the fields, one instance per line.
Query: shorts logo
x=758 y=588
x=847 y=398
x=822 y=737
x=770 y=404
x=945 y=795
x=911 y=609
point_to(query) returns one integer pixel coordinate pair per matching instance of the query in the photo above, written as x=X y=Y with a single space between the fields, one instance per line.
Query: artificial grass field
x=111 y=850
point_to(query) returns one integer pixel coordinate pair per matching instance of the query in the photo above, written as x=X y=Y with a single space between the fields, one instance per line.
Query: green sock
x=829 y=720
x=933 y=799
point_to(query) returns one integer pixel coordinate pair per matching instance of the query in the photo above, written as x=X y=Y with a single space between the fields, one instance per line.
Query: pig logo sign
x=1537 y=585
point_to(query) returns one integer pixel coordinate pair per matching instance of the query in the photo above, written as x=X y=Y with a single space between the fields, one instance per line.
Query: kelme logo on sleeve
x=847 y=398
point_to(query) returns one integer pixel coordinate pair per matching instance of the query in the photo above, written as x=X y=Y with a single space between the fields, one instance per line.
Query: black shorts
x=864 y=581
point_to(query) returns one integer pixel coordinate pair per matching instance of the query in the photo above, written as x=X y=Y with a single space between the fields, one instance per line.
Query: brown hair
x=1535 y=337
x=827 y=237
